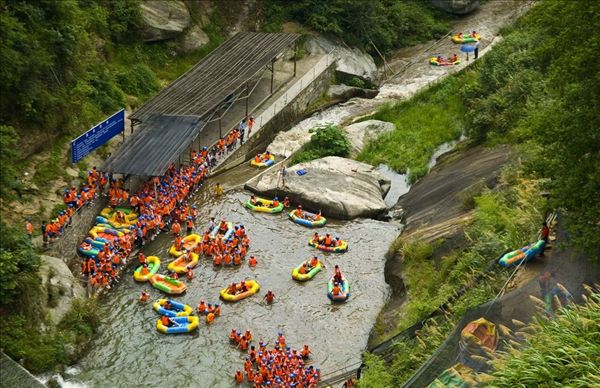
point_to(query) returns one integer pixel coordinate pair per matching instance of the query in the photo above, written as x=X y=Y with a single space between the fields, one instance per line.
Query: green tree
x=328 y=140
x=8 y=139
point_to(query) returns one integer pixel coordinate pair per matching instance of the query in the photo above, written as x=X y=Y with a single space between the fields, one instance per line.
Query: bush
x=138 y=80
x=325 y=141
x=8 y=140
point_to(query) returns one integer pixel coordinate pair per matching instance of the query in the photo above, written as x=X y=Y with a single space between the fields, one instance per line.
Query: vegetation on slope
x=328 y=140
x=372 y=25
x=563 y=350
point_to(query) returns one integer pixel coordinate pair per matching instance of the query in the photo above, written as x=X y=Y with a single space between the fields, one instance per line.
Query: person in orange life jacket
x=172 y=274
x=336 y=289
x=286 y=202
x=252 y=262
x=190 y=224
x=269 y=296
x=275 y=202
x=223 y=225
x=314 y=261
x=232 y=290
x=29 y=228
x=166 y=321
x=144 y=296
x=316 y=238
x=337 y=242
x=317 y=216
x=243 y=287
x=253 y=200
x=189 y=274
x=257 y=158
x=305 y=352
x=327 y=240
x=201 y=307
x=144 y=270
x=176 y=228
x=298 y=212
x=232 y=334
x=239 y=377
x=303 y=270
x=142 y=258
x=217 y=310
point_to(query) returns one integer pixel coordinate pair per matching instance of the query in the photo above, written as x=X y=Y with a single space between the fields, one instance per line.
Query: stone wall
x=65 y=247
x=284 y=120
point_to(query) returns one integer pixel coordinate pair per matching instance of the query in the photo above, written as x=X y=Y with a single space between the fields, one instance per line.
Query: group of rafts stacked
x=336 y=291
x=107 y=245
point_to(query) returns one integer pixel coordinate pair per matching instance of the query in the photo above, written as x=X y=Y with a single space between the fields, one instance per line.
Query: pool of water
x=128 y=351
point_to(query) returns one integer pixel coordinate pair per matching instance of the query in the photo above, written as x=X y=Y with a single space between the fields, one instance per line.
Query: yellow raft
x=167 y=284
x=253 y=288
x=188 y=242
x=265 y=162
x=130 y=215
x=181 y=266
x=185 y=324
x=153 y=266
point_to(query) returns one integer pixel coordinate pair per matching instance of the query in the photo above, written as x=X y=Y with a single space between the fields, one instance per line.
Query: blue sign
x=97 y=136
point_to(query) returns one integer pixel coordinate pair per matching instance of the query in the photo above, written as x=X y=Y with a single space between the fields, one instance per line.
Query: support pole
x=220 y=132
x=295 y=56
x=247 y=98
x=272 y=73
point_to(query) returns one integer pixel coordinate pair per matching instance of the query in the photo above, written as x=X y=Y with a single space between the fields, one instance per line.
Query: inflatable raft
x=307 y=219
x=265 y=206
x=343 y=247
x=436 y=62
x=189 y=242
x=181 y=266
x=114 y=223
x=225 y=235
x=526 y=253
x=153 y=266
x=185 y=324
x=102 y=232
x=88 y=249
x=167 y=284
x=264 y=163
x=253 y=288
x=345 y=290
x=98 y=244
x=465 y=38
x=130 y=215
x=177 y=309
x=296 y=275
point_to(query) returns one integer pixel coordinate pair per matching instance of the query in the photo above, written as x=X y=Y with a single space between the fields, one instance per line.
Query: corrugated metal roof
x=157 y=143
x=218 y=75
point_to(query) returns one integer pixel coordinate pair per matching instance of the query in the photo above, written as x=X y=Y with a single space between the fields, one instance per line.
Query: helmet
x=276 y=199
x=337 y=238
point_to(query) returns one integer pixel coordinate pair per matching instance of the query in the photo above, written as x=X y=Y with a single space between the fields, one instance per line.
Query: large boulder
x=60 y=285
x=194 y=39
x=164 y=19
x=341 y=188
x=360 y=133
x=458 y=7
x=350 y=61
x=345 y=92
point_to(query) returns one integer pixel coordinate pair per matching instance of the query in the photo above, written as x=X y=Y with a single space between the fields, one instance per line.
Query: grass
x=424 y=122
x=563 y=350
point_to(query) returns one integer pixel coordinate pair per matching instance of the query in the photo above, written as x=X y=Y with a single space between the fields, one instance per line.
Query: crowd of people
x=279 y=366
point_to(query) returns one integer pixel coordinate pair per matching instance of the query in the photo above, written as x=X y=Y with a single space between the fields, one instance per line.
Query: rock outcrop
x=341 y=188
x=345 y=92
x=458 y=7
x=360 y=133
x=351 y=61
x=163 y=19
x=61 y=286
x=194 y=39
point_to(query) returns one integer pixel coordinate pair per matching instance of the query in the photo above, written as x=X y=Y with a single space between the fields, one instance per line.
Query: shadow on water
x=128 y=351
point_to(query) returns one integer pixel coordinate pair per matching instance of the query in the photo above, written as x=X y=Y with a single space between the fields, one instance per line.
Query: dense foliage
x=8 y=140
x=18 y=264
x=563 y=351
x=325 y=141
x=384 y=24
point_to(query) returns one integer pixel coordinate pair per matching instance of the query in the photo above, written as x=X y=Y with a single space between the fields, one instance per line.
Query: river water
x=128 y=351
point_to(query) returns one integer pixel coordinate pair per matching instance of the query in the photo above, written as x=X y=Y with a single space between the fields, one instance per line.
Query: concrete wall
x=284 y=120
x=14 y=375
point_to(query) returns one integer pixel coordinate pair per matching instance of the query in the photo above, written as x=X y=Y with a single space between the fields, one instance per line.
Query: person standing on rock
x=29 y=228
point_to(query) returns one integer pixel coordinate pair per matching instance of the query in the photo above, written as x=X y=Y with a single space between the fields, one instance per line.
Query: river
x=128 y=351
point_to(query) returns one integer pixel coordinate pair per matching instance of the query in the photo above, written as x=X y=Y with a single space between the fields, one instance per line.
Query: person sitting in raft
x=257 y=158
x=269 y=297
x=298 y=212
x=243 y=287
x=168 y=322
x=314 y=262
x=168 y=305
x=304 y=269
x=232 y=290
x=144 y=297
x=187 y=256
x=316 y=238
x=275 y=202
x=317 y=216
x=286 y=202
x=336 y=290
x=327 y=241
x=172 y=274
x=337 y=242
x=440 y=59
x=305 y=352
x=453 y=58
x=337 y=274
x=120 y=216
x=474 y=34
x=253 y=200
x=144 y=271
x=223 y=226
x=267 y=156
